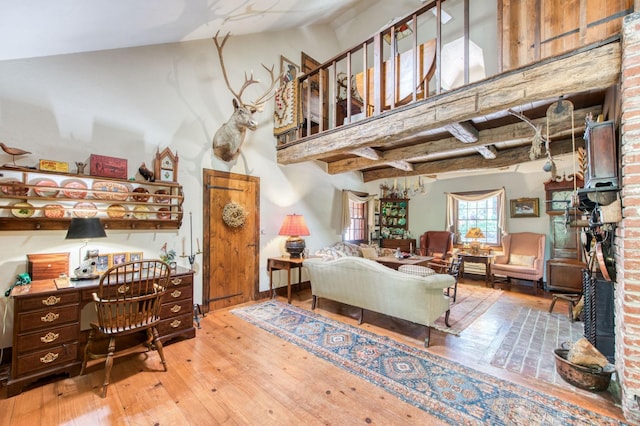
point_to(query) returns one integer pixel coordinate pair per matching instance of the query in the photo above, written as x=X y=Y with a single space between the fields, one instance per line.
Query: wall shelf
x=43 y=200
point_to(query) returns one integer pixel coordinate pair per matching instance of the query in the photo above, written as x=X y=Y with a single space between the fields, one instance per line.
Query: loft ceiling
x=428 y=137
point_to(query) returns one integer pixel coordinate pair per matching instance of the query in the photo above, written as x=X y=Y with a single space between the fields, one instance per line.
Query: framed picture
x=134 y=256
x=288 y=70
x=102 y=263
x=525 y=207
x=118 y=258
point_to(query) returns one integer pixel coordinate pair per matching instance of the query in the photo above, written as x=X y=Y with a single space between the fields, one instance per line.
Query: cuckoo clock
x=166 y=166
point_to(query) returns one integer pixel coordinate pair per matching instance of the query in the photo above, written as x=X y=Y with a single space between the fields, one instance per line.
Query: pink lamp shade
x=293 y=227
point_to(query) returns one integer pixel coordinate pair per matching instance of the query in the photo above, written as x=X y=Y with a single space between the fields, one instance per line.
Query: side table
x=477 y=258
x=284 y=263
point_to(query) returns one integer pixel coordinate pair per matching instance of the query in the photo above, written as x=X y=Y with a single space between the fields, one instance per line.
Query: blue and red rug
x=445 y=389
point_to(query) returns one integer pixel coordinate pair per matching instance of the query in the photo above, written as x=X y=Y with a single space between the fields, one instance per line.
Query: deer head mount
x=230 y=136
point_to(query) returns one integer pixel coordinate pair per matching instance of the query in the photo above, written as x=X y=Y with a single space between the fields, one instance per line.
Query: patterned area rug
x=471 y=302
x=445 y=389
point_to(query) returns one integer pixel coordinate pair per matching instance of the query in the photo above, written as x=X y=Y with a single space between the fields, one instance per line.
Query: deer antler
x=258 y=104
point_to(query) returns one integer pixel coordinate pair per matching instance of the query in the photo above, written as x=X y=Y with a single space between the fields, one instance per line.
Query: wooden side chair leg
x=87 y=351
x=108 y=364
x=446 y=318
x=158 y=345
x=428 y=336
x=361 y=316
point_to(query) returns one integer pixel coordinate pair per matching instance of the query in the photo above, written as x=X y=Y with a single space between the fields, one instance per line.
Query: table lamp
x=294 y=226
x=85 y=228
x=474 y=233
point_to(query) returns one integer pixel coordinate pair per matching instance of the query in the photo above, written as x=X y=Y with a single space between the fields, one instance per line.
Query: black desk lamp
x=85 y=228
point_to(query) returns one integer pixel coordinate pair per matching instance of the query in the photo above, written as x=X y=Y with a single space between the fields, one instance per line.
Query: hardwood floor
x=236 y=373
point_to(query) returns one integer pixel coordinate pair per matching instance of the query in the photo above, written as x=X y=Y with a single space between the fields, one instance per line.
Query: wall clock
x=559 y=192
x=166 y=166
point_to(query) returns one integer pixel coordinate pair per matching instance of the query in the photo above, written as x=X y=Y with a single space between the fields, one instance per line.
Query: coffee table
x=394 y=263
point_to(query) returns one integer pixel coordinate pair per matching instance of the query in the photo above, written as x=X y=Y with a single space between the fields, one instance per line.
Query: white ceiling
x=33 y=28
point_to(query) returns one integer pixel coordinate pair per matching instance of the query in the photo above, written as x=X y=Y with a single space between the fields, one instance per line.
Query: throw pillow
x=521 y=260
x=369 y=252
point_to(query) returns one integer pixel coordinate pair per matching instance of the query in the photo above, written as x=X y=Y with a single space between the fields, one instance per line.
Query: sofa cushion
x=369 y=252
x=338 y=250
x=522 y=260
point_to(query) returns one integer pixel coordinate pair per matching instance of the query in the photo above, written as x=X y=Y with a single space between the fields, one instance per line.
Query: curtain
x=452 y=211
x=346 y=214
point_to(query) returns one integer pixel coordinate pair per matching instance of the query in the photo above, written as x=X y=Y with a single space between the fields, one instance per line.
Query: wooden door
x=230 y=269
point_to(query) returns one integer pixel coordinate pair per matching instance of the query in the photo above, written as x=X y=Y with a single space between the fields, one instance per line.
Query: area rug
x=445 y=389
x=528 y=346
x=471 y=302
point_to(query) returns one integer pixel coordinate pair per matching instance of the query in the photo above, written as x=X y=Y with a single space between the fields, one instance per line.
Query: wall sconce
x=294 y=227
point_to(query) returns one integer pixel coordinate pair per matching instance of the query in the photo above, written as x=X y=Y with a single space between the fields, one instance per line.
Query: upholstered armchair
x=438 y=244
x=522 y=258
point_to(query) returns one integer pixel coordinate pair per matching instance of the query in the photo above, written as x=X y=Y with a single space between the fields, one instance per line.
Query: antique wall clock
x=166 y=166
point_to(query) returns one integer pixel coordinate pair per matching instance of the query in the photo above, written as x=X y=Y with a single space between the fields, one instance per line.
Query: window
x=484 y=210
x=356 y=231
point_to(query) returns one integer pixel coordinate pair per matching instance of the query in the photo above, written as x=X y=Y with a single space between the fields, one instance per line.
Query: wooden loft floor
x=436 y=135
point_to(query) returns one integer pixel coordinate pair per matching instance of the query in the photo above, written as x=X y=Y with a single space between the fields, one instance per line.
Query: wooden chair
x=454 y=271
x=127 y=302
x=438 y=244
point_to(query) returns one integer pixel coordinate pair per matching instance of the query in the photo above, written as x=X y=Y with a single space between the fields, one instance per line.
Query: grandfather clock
x=565 y=264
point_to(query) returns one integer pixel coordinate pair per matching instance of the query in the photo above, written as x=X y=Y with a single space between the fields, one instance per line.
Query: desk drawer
x=46 y=318
x=172 y=325
x=43 y=301
x=47 y=338
x=175 y=308
x=277 y=264
x=45 y=359
x=180 y=280
x=175 y=294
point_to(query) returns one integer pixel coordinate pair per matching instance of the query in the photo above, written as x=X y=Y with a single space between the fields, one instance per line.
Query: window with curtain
x=355 y=216
x=481 y=209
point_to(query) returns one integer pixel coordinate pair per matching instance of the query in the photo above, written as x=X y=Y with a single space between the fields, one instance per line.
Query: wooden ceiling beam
x=515 y=133
x=401 y=165
x=488 y=152
x=508 y=157
x=367 y=152
x=465 y=132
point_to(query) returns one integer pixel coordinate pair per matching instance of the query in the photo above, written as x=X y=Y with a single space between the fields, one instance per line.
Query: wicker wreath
x=234 y=215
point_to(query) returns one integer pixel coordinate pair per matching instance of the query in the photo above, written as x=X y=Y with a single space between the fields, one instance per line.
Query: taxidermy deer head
x=229 y=137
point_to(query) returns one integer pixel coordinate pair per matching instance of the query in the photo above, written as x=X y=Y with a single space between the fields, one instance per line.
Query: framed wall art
x=525 y=207
x=118 y=258
x=288 y=70
x=102 y=263
x=134 y=256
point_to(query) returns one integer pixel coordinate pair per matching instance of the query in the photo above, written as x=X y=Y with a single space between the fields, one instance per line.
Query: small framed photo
x=102 y=263
x=134 y=256
x=525 y=207
x=118 y=258
x=288 y=70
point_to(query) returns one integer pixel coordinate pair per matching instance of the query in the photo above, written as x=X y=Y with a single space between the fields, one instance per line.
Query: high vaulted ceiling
x=33 y=28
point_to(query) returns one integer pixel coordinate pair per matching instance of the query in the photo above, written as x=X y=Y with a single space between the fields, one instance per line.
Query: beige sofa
x=366 y=284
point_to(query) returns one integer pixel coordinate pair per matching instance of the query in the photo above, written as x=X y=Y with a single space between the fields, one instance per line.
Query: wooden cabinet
x=46 y=329
x=37 y=199
x=394 y=219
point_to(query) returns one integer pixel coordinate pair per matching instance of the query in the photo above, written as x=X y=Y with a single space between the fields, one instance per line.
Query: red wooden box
x=104 y=166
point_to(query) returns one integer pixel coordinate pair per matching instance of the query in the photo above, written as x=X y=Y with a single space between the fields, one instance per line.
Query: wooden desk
x=485 y=259
x=284 y=263
x=47 y=329
x=394 y=263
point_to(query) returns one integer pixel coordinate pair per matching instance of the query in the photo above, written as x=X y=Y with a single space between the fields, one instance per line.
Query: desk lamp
x=294 y=226
x=474 y=233
x=85 y=228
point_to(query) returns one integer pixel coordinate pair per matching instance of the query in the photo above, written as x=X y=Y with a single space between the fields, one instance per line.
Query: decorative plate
x=114 y=190
x=402 y=221
x=402 y=204
x=74 y=189
x=54 y=211
x=163 y=213
x=116 y=211
x=160 y=196
x=394 y=212
x=141 y=194
x=13 y=187
x=84 y=209
x=46 y=188
x=22 y=210
x=141 y=212
x=402 y=212
x=385 y=232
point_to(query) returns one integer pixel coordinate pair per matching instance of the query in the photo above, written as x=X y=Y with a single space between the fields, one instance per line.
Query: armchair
x=522 y=258
x=438 y=244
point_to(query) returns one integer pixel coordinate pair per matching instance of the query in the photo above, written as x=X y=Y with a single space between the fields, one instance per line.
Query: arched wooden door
x=231 y=254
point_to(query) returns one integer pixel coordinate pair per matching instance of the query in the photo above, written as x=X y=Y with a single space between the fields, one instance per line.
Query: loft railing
x=420 y=56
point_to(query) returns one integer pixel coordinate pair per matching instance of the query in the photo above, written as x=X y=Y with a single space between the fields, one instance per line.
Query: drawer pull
x=175 y=323
x=176 y=293
x=51 y=300
x=50 y=317
x=50 y=357
x=176 y=281
x=176 y=308
x=123 y=289
x=50 y=337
